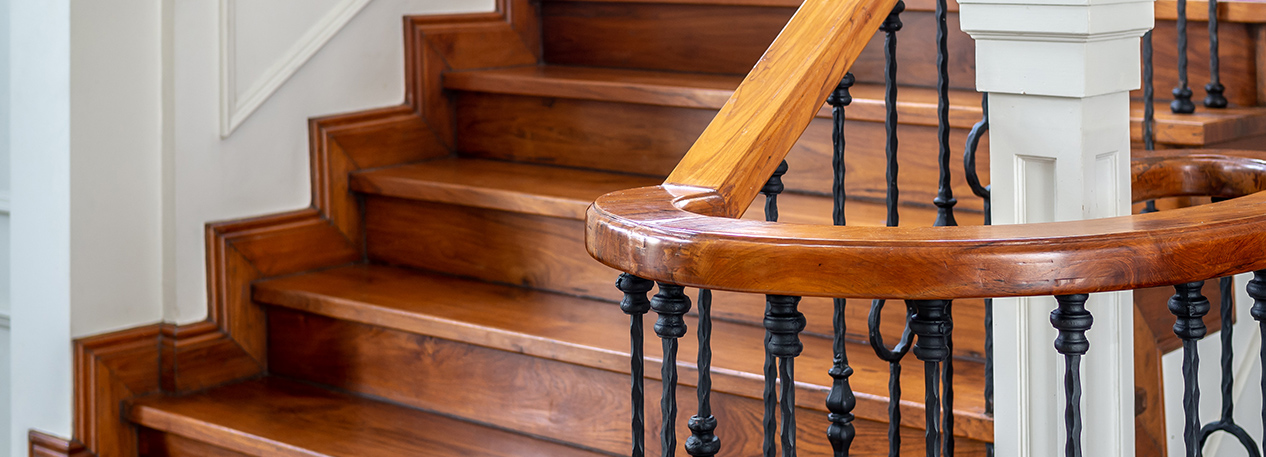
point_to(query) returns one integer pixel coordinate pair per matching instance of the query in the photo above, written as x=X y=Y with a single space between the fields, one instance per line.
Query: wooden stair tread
x=916 y=105
x=275 y=417
x=567 y=192
x=592 y=333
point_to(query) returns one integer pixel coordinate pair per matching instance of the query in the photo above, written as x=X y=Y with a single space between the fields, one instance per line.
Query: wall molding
x=45 y=445
x=235 y=110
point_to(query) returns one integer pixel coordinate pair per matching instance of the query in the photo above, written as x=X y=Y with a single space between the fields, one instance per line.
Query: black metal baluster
x=1182 y=94
x=1257 y=291
x=772 y=188
x=784 y=322
x=893 y=357
x=1226 y=423
x=671 y=303
x=932 y=323
x=1213 y=91
x=703 y=440
x=840 y=401
x=1149 y=96
x=1189 y=307
x=636 y=305
x=945 y=194
x=1072 y=320
x=973 y=181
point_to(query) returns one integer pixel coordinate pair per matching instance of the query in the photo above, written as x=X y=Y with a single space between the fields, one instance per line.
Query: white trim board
x=234 y=110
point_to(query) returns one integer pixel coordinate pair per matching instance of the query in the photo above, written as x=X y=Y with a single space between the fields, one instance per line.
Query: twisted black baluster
x=1182 y=94
x=1072 y=320
x=784 y=322
x=945 y=194
x=636 y=305
x=1149 y=96
x=932 y=323
x=893 y=357
x=671 y=303
x=1189 y=308
x=1213 y=91
x=772 y=188
x=703 y=441
x=891 y=25
x=973 y=181
x=1257 y=291
x=840 y=401
x=1227 y=422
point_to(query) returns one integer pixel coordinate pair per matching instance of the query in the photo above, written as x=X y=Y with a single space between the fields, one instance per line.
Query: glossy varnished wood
x=283 y=418
x=944 y=262
x=40 y=444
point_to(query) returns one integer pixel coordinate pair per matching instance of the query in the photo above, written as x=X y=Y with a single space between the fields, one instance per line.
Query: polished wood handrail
x=670 y=233
x=771 y=108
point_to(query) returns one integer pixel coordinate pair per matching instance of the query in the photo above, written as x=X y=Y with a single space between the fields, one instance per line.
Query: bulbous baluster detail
x=932 y=324
x=1213 y=91
x=636 y=305
x=1072 y=320
x=671 y=303
x=703 y=440
x=1182 y=94
x=783 y=323
x=772 y=188
x=1257 y=291
x=1189 y=306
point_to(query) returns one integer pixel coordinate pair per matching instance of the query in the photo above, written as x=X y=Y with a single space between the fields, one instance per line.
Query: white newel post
x=1058 y=74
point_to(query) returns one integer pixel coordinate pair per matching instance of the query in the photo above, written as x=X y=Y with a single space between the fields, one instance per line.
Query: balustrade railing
x=1214 y=90
x=679 y=234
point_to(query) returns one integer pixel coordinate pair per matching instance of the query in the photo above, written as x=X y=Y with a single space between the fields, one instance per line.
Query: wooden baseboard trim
x=45 y=445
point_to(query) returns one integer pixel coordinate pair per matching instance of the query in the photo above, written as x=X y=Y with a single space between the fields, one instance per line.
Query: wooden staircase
x=438 y=299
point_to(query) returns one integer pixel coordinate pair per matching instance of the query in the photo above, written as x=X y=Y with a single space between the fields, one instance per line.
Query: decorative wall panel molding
x=237 y=105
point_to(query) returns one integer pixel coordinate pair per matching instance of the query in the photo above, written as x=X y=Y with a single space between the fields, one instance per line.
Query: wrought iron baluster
x=932 y=323
x=893 y=357
x=772 y=188
x=1182 y=94
x=945 y=194
x=1189 y=307
x=1226 y=423
x=1213 y=91
x=1149 y=96
x=840 y=401
x=636 y=305
x=1257 y=291
x=671 y=303
x=784 y=322
x=703 y=440
x=982 y=191
x=1072 y=320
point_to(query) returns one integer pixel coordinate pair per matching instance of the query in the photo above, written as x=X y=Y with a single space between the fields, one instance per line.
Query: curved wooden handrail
x=670 y=233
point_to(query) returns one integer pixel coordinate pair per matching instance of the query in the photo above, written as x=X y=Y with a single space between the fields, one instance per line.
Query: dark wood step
x=642 y=122
x=523 y=224
x=582 y=334
x=276 y=417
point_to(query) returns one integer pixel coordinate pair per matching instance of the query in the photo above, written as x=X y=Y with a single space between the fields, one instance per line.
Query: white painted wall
x=118 y=160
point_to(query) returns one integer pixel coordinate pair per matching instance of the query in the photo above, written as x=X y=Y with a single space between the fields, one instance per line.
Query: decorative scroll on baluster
x=1226 y=423
x=671 y=303
x=772 y=188
x=1072 y=320
x=1189 y=307
x=1182 y=94
x=1213 y=91
x=1257 y=291
x=893 y=357
x=840 y=401
x=636 y=305
x=973 y=181
x=932 y=323
x=703 y=440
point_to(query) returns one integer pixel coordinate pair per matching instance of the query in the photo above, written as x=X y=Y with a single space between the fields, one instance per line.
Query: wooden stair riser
x=727 y=39
x=548 y=253
x=650 y=140
x=154 y=443
x=730 y=39
x=583 y=406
